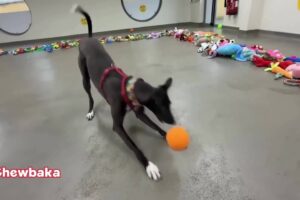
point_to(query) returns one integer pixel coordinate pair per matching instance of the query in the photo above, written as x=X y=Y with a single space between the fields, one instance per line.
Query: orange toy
x=178 y=138
x=278 y=70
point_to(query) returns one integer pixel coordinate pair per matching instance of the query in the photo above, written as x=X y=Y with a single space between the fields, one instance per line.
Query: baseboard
x=147 y=29
x=277 y=33
x=99 y=34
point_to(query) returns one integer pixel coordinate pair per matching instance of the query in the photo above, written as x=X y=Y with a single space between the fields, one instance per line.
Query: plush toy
x=109 y=40
x=204 y=46
x=295 y=70
x=178 y=138
x=222 y=42
x=185 y=35
x=277 y=70
x=30 y=49
x=178 y=33
x=55 y=45
x=229 y=49
x=191 y=38
x=2 y=52
x=154 y=35
x=208 y=49
x=293 y=59
x=285 y=64
x=200 y=40
x=260 y=62
x=48 y=48
x=235 y=51
x=18 y=51
x=245 y=55
x=276 y=55
x=259 y=49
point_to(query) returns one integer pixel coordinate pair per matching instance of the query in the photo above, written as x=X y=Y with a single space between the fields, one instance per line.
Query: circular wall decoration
x=15 y=17
x=141 y=10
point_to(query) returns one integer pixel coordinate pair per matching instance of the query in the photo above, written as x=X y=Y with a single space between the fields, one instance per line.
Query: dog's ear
x=167 y=84
x=143 y=91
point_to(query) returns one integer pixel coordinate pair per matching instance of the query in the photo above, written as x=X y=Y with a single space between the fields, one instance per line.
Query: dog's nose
x=170 y=121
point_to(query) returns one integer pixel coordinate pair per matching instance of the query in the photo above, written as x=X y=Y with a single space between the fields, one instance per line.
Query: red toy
x=260 y=62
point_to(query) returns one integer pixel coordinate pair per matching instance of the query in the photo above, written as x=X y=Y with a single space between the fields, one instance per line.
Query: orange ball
x=178 y=138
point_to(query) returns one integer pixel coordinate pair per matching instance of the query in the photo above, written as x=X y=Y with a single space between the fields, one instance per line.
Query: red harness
x=125 y=78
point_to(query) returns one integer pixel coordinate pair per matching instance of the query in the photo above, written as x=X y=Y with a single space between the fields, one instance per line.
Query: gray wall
x=51 y=18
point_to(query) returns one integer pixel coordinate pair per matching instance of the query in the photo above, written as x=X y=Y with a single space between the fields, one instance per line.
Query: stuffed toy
x=276 y=54
x=178 y=33
x=109 y=40
x=236 y=52
x=260 y=62
x=229 y=49
x=2 y=52
x=222 y=42
x=154 y=35
x=204 y=46
x=258 y=49
x=278 y=70
x=245 y=55
x=295 y=69
x=293 y=59
x=285 y=64
x=199 y=40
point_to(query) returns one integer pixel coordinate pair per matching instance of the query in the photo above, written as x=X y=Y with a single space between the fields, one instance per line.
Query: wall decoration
x=15 y=16
x=141 y=10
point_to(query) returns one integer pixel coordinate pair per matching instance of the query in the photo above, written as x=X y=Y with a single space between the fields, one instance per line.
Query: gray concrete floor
x=243 y=126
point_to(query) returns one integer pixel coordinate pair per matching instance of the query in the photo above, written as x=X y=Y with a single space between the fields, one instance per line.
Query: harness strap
x=124 y=80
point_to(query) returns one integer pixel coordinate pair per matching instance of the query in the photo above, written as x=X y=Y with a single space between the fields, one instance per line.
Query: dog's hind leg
x=118 y=112
x=140 y=114
x=86 y=85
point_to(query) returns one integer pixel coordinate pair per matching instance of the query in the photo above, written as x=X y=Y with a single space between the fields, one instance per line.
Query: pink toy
x=276 y=54
x=178 y=33
x=295 y=69
x=223 y=42
x=257 y=48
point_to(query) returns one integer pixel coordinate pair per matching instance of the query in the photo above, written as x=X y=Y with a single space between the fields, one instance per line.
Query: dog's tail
x=78 y=9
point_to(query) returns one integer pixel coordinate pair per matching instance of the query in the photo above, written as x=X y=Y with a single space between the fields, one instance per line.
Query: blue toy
x=236 y=51
x=48 y=48
x=293 y=59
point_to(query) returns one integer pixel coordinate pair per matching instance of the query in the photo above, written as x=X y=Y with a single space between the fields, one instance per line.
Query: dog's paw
x=163 y=134
x=90 y=115
x=152 y=171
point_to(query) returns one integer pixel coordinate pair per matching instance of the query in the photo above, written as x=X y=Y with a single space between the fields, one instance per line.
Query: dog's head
x=156 y=99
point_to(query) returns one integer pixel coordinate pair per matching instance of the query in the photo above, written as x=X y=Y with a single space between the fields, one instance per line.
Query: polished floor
x=243 y=124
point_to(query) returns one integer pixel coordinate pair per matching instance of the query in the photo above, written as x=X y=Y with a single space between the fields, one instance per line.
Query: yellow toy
x=177 y=138
x=278 y=70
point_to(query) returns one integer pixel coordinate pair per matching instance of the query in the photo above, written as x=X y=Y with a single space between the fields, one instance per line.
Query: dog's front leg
x=140 y=114
x=118 y=117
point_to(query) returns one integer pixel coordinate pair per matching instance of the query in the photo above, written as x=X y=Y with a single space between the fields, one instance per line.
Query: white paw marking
x=152 y=171
x=90 y=115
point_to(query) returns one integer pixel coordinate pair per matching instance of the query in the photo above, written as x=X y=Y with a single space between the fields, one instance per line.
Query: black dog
x=121 y=91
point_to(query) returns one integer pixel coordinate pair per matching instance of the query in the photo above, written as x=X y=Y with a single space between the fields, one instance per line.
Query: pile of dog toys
x=213 y=45
x=66 y=44
x=209 y=44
